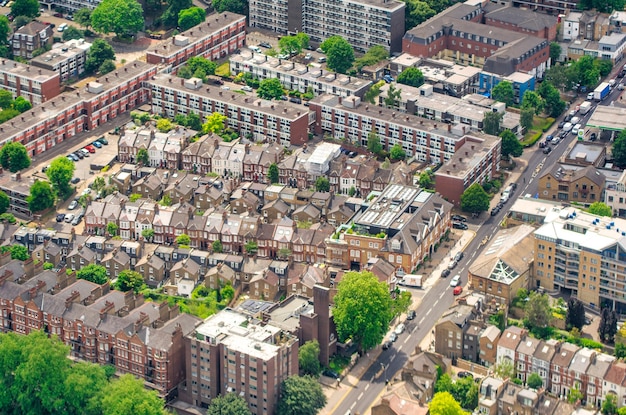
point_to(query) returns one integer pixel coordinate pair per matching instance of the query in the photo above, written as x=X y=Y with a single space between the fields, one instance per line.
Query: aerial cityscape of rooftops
x=373 y=207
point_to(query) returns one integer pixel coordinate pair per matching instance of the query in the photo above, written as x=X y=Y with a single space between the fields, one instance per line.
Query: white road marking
x=406 y=340
x=360 y=396
x=428 y=312
x=399 y=348
x=473 y=255
x=436 y=302
x=422 y=320
x=352 y=406
x=367 y=387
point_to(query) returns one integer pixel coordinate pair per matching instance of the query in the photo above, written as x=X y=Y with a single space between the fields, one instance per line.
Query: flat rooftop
x=212 y=24
x=286 y=315
x=470 y=154
x=26 y=71
x=584 y=151
x=608 y=118
x=283 y=109
x=386 y=210
x=379 y=4
x=352 y=83
x=61 y=52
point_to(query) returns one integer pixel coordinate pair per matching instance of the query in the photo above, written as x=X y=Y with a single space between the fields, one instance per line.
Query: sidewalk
x=458 y=241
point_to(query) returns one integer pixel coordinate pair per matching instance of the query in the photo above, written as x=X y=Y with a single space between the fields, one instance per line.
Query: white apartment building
x=67 y=59
x=615 y=196
x=295 y=76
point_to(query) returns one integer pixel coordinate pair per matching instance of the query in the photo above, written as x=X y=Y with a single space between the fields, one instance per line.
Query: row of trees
x=11 y=108
x=585 y=71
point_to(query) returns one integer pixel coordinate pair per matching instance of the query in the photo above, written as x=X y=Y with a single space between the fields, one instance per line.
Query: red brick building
x=34 y=84
x=219 y=35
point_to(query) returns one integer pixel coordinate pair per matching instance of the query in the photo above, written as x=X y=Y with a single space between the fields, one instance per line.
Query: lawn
x=223 y=69
x=540 y=125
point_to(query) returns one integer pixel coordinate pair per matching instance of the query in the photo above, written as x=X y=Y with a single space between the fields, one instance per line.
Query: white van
x=568 y=126
x=612 y=83
x=62 y=27
x=255 y=49
x=574 y=120
x=576 y=128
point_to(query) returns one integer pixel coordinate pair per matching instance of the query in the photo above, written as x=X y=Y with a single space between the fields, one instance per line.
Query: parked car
x=60 y=217
x=86 y=192
x=265 y=45
x=459 y=218
x=73 y=205
x=455 y=281
x=103 y=140
x=69 y=217
x=464 y=375
x=90 y=148
x=593 y=137
x=247 y=88
x=387 y=344
x=561 y=124
x=331 y=374
x=547 y=150
x=45 y=168
x=62 y=27
x=452 y=264
x=97 y=144
x=79 y=155
x=411 y=315
x=457 y=290
x=393 y=337
x=555 y=141
x=73 y=157
x=400 y=329
x=388 y=78
x=75 y=180
x=77 y=219
x=445 y=273
x=459 y=225
x=495 y=211
x=296 y=100
x=85 y=152
x=459 y=256
x=319 y=50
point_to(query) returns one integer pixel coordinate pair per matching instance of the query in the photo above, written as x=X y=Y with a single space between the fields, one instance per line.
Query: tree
x=375 y=54
x=372 y=93
x=122 y=17
x=609 y=406
x=83 y=17
x=411 y=76
x=554 y=105
x=426 y=179
x=217 y=246
x=5 y=29
x=214 y=123
x=99 y=52
x=129 y=280
x=443 y=403
x=233 y=6
x=6 y=99
x=608 y=325
x=504 y=369
x=251 y=247
x=14 y=156
x=143 y=157
x=148 y=234
x=534 y=381
x=47 y=265
x=444 y=384
x=532 y=100
x=127 y=396
x=397 y=152
x=170 y=16
x=21 y=21
x=273 y=173
x=188 y=18
x=527 y=118
x=22 y=104
x=491 y=122
x=322 y=184
x=29 y=8
x=393 y=96
x=362 y=309
x=112 y=228
x=41 y=196
x=600 y=209
x=193 y=121
x=229 y=404
x=561 y=77
x=417 y=12
x=373 y=143
x=5 y=202
x=94 y=273
x=537 y=310
x=619 y=149
x=339 y=54
x=60 y=173
x=604 y=66
x=504 y=92
x=17 y=251
x=575 y=395
x=555 y=52
x=474 y=199
x=72 y=32
x=270 y=88
x=106 y=67
x=575 y=316
x=510 y=145
x=293 y=45
x=308 y=358
x=164 y=125
x=83 y=382
x=300 y=395
x=183 y=239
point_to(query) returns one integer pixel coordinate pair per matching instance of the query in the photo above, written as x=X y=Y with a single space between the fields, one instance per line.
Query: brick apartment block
x=219 y=35
x=53 y=122
x=35 y=85
x=280 y=122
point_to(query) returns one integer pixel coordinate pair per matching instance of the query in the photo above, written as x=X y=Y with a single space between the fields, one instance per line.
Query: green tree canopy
x=170 y=16
x=201 y=65
x=41 y=196
x=504 y=92
x=22 y=104
x=83 y=17
x=128 y=396
x=609 y=406
x=322 y=184
x=603 y=6
x=106 y=67
x=504 y=369
x=122 y=17
x=393 y=97
x=426 y=180
x=14 y=156
x=308 y=358
x=443 y=403
x=6 y=98
x=532 y=100
x=273 y=173
x=183 y=239
x=164 y=125
x=300 y=395
x=575 y=316
x=188 y=18
x=293 y=45
x=99 y=52
x=474 y=199
x=217 y=246
x=29 y=8
x=600 y=209
x=234 y=6
x=17 y=251
x=373 y=143
x=554 y=105
x=537 y=310
x=129 y=280
x=60 y=173
x=619 y=149
x=143 y=157
x=112 y=228
x=527 y=118
x=397 y=152
x=555 y=52
x=372 y=94
x=5 y=202
x=534 y=381
x=148 y=234
x=491 y=122
x=608 y=325
x=417 y=12
x=362 y=309
x=375 y=54
x=5 y=29
x=72 y=32
x=270 y=88
x=411 y=76
x=510 y=144
x=94 y=273
x=229 y=404
x=214 y=123
x=339 y=54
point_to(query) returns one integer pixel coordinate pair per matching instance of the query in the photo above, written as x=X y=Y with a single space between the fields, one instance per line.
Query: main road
x=439 y=297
